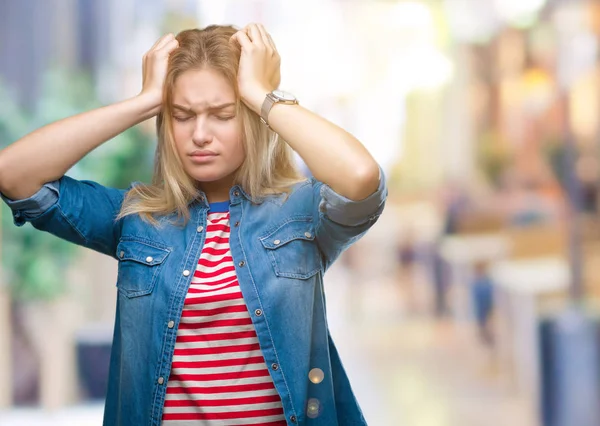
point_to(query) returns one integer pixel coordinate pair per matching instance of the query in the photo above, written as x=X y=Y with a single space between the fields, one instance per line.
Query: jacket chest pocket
x=293 y=250
x=139 y=265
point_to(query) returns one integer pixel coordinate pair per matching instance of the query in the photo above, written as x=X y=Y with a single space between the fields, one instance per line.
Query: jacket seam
x=62 y=213
x=145 y=241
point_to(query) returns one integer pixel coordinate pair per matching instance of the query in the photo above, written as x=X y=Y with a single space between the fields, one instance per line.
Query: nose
x=202 y=134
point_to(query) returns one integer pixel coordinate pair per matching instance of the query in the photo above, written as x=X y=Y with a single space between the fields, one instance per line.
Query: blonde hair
x=268 y=167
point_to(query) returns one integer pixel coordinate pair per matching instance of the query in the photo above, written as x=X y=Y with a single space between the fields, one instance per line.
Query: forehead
x=201 y=88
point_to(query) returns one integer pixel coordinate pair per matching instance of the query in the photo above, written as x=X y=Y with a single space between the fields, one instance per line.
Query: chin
x=209 y=174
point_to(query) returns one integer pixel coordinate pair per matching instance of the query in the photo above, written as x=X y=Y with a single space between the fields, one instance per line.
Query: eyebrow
x=209 y=107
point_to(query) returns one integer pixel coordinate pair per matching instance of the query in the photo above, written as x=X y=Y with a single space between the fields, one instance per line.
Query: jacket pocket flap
x=296 y=229
x=141 y=252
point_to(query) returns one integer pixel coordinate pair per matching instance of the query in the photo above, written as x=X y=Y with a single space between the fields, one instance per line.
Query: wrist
x=149 y=104
x=255 y=98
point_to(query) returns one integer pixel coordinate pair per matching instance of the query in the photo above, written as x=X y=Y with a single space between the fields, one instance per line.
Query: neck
x=217 y=191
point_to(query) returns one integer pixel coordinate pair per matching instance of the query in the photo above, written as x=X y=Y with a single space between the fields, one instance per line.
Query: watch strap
x=270 y=100
x=268 y=103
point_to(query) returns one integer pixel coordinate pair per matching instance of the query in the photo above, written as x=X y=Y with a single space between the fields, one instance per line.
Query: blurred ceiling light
x=519 y=12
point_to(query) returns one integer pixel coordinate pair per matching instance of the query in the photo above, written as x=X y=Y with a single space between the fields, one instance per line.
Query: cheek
x=181 y=136
x=231 y=137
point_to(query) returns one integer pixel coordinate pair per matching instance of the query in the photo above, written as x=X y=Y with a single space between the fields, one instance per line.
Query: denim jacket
x=281 y=248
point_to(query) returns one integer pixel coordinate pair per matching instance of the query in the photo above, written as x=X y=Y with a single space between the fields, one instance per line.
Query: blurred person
x=441 y=280
x=454 y=203
x=407 y=252
x=406 y=255
x=216 y=323
x=482 y=295
x=588 y=176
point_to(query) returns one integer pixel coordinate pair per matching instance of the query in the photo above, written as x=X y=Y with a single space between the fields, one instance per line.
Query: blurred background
x=474 y=298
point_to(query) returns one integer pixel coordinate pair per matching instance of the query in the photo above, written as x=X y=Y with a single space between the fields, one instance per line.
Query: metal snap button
x=316 y=375
x=313 y=407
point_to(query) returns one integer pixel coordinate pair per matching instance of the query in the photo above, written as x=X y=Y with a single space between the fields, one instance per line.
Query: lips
x=201 y=154
x=202 y=157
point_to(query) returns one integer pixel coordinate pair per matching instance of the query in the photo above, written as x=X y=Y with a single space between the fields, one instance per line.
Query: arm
x=32 y=169
x=340 y=221
x=333 y=156
x=81 y=212
x=47 y=153
x=348 y=188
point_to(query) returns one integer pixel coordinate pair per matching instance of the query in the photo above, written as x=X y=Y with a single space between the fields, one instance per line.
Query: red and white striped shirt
x=219 y=375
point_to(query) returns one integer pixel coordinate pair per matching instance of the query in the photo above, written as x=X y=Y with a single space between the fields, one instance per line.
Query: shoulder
x=298 y=191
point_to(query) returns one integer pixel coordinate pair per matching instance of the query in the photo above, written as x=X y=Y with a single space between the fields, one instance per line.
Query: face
x=206 y=130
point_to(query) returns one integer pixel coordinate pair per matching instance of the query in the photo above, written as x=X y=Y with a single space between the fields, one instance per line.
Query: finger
x=265 y=37
x=255 y=36
x=169 y=46
x=163 y=41
x=242 y=38
x=272 y=43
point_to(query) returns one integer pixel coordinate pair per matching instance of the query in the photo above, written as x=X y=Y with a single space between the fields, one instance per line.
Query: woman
x=215 y=324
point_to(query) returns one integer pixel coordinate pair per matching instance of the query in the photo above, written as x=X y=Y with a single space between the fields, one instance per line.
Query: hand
x=260 y=64
x=154 y=68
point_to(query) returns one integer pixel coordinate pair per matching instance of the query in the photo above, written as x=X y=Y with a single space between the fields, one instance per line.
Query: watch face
x=284 y=95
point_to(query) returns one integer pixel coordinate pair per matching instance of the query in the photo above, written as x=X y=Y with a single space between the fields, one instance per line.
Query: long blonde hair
x=269 y=166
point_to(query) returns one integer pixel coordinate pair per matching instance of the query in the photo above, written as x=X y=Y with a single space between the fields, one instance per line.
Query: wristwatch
x=275 y=97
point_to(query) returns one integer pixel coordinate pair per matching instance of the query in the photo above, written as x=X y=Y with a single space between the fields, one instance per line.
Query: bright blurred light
x=408 y=14
x=422 y=67
x=519 y=11
x=324 y=62
x=470 y=21
x=478 y=21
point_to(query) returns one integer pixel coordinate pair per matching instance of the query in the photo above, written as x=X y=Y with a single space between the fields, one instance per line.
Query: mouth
x=202 y=156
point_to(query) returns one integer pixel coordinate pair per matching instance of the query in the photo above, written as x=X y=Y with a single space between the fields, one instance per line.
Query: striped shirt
x=218 y=375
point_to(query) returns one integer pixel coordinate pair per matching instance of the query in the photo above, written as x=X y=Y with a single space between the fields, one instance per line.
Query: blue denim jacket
x=281 y=249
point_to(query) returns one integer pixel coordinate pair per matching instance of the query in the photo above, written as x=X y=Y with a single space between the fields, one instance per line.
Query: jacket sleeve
x=82 y=212
x=340 y=221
